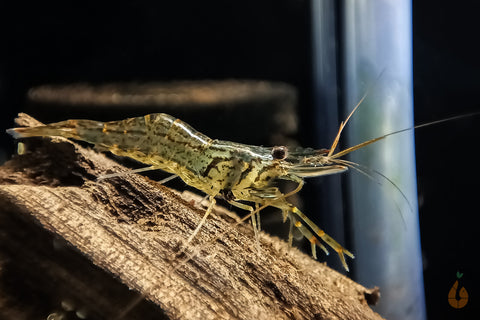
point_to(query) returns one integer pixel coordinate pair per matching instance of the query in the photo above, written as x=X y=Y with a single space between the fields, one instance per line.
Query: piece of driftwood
x=136 y=230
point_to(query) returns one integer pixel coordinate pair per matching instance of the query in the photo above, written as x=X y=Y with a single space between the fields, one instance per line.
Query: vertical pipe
x=325 y=96
x=385 y=228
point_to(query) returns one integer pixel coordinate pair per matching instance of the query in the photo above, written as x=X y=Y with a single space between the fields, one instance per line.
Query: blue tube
x=377 y=39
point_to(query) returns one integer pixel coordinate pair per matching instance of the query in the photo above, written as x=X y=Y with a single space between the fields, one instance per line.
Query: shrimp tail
x=16 y=133
x=66 y=129
x=105 y=136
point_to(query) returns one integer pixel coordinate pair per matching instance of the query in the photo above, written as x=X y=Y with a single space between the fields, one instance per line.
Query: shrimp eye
x=279 y=153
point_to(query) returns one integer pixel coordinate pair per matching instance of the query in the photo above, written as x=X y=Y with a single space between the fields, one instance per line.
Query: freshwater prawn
x=233 y=171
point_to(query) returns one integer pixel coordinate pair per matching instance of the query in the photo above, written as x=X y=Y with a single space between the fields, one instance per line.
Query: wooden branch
x=137 y=230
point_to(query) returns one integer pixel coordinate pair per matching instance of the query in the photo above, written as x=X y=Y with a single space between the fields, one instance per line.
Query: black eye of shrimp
x=279 y=153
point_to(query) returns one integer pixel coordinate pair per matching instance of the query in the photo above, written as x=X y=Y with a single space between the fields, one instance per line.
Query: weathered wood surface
x=137 y=230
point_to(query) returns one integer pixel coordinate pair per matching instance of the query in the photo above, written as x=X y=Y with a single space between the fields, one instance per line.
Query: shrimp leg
x=319 y=232
x=297 y=217
x=307 y=234
x=150 y=168
x=255 y=217
x=118 y=174
x=204 y=218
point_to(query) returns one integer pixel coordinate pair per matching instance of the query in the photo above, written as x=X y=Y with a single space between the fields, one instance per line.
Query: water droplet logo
x=462 y=299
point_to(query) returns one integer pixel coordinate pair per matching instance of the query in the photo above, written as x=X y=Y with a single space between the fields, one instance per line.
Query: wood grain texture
x=136 y=229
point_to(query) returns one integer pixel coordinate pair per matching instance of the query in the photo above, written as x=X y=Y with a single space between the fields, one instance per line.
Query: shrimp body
x=236 y=171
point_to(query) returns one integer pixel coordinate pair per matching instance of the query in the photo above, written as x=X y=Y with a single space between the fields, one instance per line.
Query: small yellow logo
x=462 y=294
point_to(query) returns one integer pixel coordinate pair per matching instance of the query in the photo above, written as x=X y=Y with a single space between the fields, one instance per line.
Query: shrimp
x=234 y=171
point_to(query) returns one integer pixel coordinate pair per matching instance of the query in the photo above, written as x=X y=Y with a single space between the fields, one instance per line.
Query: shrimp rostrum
x=234 y=171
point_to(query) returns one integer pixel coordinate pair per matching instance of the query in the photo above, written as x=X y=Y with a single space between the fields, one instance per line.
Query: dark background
x=63 y=42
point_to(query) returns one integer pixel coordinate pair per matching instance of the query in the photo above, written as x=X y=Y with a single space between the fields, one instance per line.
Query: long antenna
x=366 y=143
x=344 y=123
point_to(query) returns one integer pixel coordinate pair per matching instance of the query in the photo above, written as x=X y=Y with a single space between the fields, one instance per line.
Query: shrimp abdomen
x=151 y=139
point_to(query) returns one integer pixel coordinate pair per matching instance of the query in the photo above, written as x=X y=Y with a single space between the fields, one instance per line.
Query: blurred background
x=290 y=42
